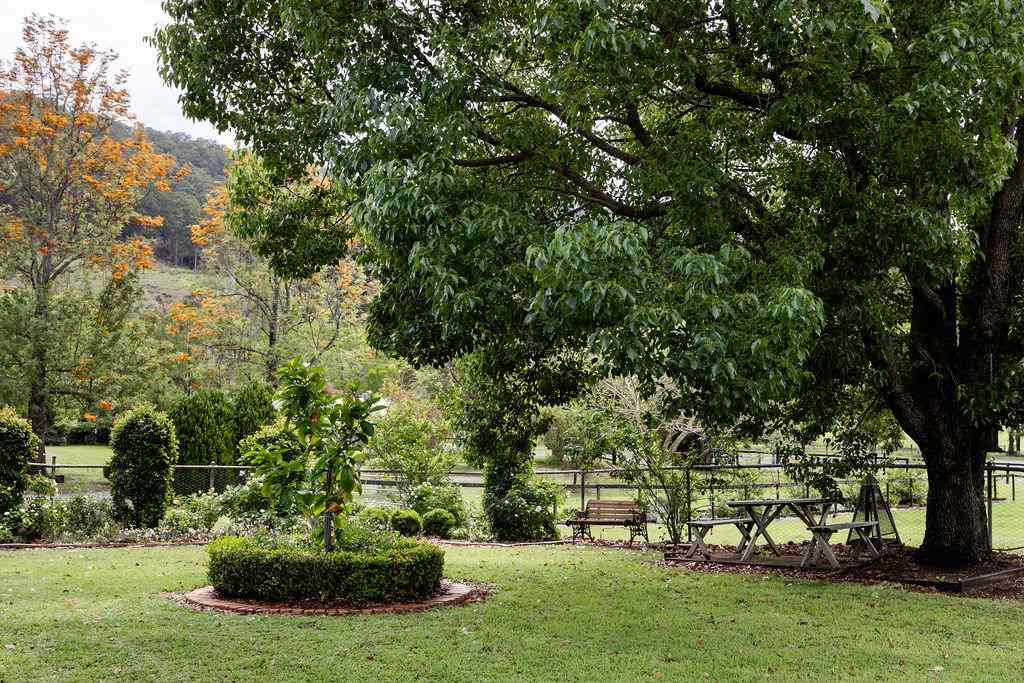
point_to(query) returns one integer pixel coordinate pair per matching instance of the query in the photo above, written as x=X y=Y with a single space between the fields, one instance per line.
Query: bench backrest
x=612 y=509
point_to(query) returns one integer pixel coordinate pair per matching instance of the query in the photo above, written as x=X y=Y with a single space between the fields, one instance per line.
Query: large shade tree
x=806 y=214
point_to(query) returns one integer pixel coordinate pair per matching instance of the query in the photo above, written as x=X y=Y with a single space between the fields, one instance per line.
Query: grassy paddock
x=559 y=613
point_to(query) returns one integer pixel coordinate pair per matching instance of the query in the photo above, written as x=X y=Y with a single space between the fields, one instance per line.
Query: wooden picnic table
x=763 y=512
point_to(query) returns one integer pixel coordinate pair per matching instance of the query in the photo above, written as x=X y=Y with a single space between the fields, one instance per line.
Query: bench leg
x=866 y=539
x=638 y=530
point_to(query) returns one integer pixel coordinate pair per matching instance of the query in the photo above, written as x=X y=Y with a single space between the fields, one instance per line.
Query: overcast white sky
x=118 y=25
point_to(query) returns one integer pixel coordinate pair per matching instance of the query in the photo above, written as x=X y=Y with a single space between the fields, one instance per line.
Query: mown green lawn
x=78 y=480
x=557 y=614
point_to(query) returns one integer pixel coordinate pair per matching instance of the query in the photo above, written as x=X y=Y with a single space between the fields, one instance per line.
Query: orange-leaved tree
x=68 y=186
x=271 y=317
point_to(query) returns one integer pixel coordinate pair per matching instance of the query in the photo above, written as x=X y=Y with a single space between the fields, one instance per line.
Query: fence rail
x=903 y=484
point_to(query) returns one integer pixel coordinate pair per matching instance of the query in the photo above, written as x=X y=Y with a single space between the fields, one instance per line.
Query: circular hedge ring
x=251 y=568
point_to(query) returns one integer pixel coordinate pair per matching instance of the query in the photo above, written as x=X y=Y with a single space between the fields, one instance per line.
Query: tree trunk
x=956 y=527
x=272 y=325
x=37 y=395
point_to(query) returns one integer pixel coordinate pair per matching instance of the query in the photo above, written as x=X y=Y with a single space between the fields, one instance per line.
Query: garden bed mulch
x=1001 y=576
x=450 y=594
x=492 y=544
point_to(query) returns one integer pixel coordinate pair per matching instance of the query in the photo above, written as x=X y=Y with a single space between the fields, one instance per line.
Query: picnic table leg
x=761 y=521
x=699 y=545
x=826 y=550
x=744 y=529
x=766 y=519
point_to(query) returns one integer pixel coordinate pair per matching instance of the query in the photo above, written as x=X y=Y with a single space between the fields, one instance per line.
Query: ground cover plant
x=656 y=623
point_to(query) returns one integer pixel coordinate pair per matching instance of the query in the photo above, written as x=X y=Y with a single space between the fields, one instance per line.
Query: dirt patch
x=898 y=565
x=450 y=594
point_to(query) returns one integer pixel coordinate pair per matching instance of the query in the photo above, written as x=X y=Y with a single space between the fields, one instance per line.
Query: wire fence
x=752 y=476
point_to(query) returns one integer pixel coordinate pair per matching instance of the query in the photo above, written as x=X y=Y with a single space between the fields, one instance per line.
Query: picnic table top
x=779 y=501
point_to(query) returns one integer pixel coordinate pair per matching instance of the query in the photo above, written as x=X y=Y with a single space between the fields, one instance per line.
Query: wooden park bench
x=701 y=527
x=822 y=533
x=624 y=513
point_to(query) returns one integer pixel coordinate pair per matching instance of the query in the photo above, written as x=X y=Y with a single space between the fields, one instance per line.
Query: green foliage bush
x=42 y=517
x=254 y=409
x=244 y=499
x=204 y=422
x=18 y=445
x=446 y=496
x=276 y=436
x=407 y=522
x=377 y=516
x=273 y=570
x=903 y=489
x=439 y=523
x=141 y=468
x=197 y=512
x=408 y=442
x=88 y=518
x=526 y=511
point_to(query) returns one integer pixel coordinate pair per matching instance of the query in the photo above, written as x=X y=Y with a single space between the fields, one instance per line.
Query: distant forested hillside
x=182 y=206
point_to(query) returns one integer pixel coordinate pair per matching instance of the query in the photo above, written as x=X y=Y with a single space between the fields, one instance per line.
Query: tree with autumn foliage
x=261 y=317
x=68 y=186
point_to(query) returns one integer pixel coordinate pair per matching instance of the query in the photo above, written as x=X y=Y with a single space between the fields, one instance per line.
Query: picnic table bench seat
x=624 y=513
x=822 y=533
x=701 y=527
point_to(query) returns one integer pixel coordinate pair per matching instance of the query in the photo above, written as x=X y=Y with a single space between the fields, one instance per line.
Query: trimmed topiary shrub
x=254 y=408
x=265 y=569
x=406 y=522
x=205 y=425
x=142 y=467
x=439 y=523
x=18 y=445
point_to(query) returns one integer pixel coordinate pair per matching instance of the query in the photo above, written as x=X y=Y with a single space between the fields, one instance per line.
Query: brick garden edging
x=451 y=594
x=91 y=546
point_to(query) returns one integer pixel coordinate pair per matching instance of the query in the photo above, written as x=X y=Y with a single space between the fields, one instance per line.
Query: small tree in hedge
x=205 y=425
x=18 y=445
x=254 y=408
x=331 y=429
x=142 y=467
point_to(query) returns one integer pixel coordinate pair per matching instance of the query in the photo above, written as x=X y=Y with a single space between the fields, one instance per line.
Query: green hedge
x=142 y=466
x=18 y=446
x=265 y=570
